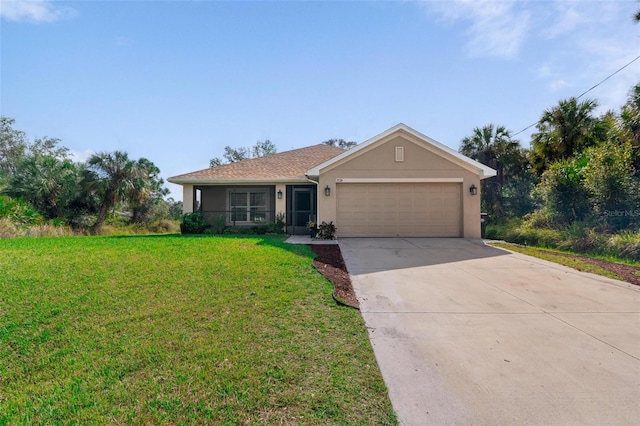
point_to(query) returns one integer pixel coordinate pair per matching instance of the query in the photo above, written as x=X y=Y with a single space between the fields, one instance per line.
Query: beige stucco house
x=398 y=183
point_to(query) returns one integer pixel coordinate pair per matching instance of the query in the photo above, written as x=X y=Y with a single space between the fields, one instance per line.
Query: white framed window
x=248 y=205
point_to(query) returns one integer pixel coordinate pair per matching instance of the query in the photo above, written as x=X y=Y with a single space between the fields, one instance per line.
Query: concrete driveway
x=470 y=334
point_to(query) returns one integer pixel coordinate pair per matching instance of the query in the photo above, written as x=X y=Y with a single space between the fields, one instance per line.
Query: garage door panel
x=399 y=209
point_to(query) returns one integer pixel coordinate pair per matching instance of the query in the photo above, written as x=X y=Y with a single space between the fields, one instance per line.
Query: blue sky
x=176 y=81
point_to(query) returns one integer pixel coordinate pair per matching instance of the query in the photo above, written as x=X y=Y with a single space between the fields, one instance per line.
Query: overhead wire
x=588 y=90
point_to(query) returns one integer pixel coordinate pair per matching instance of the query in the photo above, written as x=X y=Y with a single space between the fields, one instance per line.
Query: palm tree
x=564 y=130
x=147 y=189
x=630 y=113
x=493 y=146
x=42 y=181
x=111 y=177
x=630 y=120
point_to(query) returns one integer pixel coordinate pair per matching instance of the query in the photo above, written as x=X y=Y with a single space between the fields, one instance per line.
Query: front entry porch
x=249 y=205
x=300 y=208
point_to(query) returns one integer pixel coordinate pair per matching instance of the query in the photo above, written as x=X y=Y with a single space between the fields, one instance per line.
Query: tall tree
x=493 y=146
x=630 y=121
x=15 y=147
x=111 y=177
x=147 y=190
x=563 y=191
x=340 y=143
x=563 y=131
x=613 y=189
x=233 y=155
x=263 y=148
x=46 y=182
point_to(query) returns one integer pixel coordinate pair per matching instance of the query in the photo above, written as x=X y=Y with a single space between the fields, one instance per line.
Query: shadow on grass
x=272 y=240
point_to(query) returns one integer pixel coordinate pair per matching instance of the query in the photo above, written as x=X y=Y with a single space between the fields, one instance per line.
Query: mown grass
x=558 y=257
x=178 y=329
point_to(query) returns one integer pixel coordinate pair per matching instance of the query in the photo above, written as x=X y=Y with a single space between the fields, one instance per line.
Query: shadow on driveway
x=380 y=254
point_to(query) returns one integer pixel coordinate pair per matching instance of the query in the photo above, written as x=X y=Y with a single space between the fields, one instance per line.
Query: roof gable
x=438 y=148
x=283 y=166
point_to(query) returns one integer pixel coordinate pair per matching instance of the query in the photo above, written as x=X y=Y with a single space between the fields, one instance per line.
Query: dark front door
x=302 y=209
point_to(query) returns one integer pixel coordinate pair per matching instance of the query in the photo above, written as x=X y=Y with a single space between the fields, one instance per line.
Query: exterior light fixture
x=327 y=190
x=279 y=194
x=473 y=190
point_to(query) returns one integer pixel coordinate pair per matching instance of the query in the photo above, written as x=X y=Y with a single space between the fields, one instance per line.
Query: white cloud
x=558 y=84
x=544 y=71
x=33 y=11
x=583 y=44
x=609 y=42
x=567 y=18
x=80 y=156
x=497 y=28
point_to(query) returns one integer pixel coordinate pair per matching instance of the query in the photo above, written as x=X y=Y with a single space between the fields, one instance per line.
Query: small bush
x=498 y=231
x=533 y=237
x=625 y=245
x=8 y=229
x=280 y=223
x=327 y=231
x=193 y=223
x=48 y=230
x=578 y=237
x=19 y=212
x=220 y=224
x=259 y=229
x=82 y=222
x=164 y=226
x=541 y=218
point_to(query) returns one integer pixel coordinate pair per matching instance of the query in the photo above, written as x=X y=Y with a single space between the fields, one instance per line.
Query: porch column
x=187 y=198
x=281 y=204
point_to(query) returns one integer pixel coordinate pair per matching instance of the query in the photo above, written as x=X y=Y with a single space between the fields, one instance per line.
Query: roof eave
x=187 y=181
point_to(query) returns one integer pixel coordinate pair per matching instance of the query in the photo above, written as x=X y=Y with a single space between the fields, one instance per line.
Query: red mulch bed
x=331 y=264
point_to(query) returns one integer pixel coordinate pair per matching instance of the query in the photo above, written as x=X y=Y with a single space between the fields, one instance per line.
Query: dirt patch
x=331 y=264
x=630 y=274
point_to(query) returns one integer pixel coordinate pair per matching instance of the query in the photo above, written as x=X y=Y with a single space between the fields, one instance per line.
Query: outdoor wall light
x=473 y=190
x=279 y=194
x=327 y=190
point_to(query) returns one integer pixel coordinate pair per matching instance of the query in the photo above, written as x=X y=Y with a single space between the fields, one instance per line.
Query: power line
x=588 y=90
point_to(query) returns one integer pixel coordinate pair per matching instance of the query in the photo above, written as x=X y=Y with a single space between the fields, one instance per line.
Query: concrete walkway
x=306 y=239
x=470 y=334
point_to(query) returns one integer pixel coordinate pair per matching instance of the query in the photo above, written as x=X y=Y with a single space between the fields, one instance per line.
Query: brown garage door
x=399 y=209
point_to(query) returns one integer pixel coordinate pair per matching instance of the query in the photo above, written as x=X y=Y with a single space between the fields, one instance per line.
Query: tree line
x=580 y=168
x=38 y=179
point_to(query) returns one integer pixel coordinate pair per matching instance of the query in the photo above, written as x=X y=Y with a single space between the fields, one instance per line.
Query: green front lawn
x=177 y=329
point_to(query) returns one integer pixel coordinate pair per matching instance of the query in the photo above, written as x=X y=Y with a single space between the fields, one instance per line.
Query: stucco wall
x=187 y=198
x=378 y=161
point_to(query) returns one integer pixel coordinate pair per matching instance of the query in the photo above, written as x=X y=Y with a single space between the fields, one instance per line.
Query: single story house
x=398 y=183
